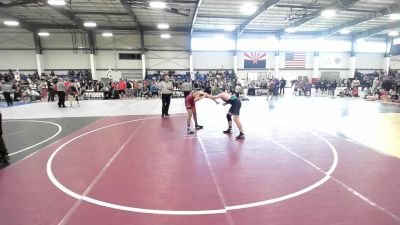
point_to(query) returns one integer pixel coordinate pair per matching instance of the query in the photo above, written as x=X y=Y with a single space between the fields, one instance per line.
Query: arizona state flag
x=255 y=60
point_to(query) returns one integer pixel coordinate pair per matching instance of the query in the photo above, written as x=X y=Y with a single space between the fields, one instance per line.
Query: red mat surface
x=151 y=164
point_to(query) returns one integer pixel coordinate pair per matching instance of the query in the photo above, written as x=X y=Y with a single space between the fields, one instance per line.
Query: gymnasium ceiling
x=362 y=18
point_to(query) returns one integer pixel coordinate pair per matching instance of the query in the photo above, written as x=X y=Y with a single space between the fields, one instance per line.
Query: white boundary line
x=353 y=141
x=36 y=121
x=176 y=212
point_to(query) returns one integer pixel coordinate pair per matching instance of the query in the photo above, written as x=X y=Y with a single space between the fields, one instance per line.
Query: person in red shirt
x=121 y=88
x=67 y=89
x=190 y=102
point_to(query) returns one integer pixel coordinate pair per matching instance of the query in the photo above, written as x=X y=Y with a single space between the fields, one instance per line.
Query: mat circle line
x=179 y=212
x=36 y=121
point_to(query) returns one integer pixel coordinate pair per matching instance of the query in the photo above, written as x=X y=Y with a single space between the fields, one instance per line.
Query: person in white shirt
x=43 y=90
x=186 y=88
x=166 y=93
x=33 y=95
x=238 y=90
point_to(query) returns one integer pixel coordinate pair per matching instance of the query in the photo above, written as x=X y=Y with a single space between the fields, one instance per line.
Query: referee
x=186 y=88
x=166 y=93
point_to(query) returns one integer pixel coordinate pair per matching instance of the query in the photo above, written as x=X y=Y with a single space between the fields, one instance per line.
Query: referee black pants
x=166 y=100
x=61 y=99
x=7 y=96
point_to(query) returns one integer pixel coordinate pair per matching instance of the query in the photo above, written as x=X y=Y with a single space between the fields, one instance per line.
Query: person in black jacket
x=282 y=85
x=3 y=151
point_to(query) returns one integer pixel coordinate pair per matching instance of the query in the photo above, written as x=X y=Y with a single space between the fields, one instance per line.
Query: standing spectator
x=50 y=91
x=238 y=90
x=317 y=86
x=333 y=87
x=74 y=93
x=61 y=93
x=282 y=85
x=140 y=89
x=3 y=150
x=43 y=90
x=186 y=88
x=67 y=84
x=129 y=89
x=166 y=93
x=121 y=88
x=6 y=87
x=270 y=87
x=135 y=89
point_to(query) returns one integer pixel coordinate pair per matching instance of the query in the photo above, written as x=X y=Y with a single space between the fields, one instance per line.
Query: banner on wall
x=332 y=61
x=255 y=60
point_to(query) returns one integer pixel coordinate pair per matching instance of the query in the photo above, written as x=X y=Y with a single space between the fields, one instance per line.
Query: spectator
x=43 y=90
x=270 y=87
x=6 y=87
x=394 y=97
x=51 y=91
x=74 y=93
x=186 y=88
x=121 y=88
x=32 y=94
x=238 y=90
x=154 y=90
x=282 y=85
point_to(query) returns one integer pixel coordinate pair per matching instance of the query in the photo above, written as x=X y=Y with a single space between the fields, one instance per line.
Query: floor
x=311 y=161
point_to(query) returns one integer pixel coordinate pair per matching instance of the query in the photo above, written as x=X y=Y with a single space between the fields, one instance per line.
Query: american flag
x=295 y=60
x=255 y=60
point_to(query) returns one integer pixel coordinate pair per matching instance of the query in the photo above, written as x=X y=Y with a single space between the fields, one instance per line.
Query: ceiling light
x=107 y=34
x=165 y=36
x=345 y=31
x=158 y=5
x=328 y=13
x=90 y=24
x=44 y=34
x=248 y=8
x=11 y=23
x=229 y=27
x=394 y=16
x=163 y=26
x=290 y=29
x=56 y=2
x=393 y=33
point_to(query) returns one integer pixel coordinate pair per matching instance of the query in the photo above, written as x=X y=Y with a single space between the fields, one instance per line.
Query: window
x=130 y=56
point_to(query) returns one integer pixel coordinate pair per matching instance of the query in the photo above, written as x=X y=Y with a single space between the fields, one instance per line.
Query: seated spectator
x=354 y=92
x=395 y=97
x=154 y=90
x=32 y=94
x=384 y=95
